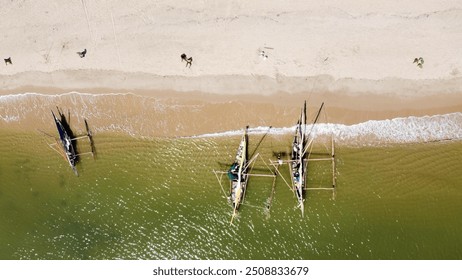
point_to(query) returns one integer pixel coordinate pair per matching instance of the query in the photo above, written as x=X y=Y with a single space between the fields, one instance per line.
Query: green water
x=158 y=199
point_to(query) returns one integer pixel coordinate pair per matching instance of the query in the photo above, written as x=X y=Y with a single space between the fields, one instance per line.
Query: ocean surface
x=397 y=196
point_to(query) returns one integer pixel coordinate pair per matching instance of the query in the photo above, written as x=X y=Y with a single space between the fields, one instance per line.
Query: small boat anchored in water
x=297 y=159
x=239 y=173
x=300 y=155
x=66 y=145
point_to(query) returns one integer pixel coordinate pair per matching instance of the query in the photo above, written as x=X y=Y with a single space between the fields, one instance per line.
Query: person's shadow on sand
x=8 y=60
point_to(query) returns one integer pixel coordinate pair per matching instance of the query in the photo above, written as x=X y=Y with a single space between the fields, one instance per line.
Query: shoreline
x=372 y=105
x=176 y=114
x=348 y=101
x=112 y=81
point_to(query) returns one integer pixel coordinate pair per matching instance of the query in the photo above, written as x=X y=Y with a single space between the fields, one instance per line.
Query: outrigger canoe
x=67 y=145
x=238 y=174
x=298 y=162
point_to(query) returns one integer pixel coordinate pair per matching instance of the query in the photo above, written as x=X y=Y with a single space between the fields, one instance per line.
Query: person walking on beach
x=188 y=60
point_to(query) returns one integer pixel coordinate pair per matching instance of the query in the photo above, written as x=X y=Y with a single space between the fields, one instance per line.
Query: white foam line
x=18 y=96
x=398 y=130
x=254 y=130
x=9 y=118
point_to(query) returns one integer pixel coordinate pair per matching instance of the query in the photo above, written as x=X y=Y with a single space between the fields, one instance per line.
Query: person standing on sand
x=419 y=62
x=188 y=60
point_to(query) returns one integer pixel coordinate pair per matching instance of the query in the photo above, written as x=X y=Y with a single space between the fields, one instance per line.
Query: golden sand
x=167 y=113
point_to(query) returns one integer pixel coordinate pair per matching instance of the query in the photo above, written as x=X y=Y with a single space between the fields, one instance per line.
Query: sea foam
x=397 y=130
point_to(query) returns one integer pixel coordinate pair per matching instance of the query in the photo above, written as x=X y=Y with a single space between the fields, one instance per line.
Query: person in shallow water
x=232 y=172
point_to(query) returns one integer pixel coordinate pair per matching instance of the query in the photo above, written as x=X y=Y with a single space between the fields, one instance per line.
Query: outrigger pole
x=334 y=179
x=261 y=141
x=90 y=138
x=312 y=126
x=331 y=158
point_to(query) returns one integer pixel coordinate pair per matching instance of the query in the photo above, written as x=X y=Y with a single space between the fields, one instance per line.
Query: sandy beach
x=253 y=63
x=379 y=174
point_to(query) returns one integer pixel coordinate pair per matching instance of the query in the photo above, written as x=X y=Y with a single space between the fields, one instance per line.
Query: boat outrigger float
x=67 y=142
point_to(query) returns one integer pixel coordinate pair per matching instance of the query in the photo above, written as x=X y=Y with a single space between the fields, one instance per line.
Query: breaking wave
x=398 y=130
